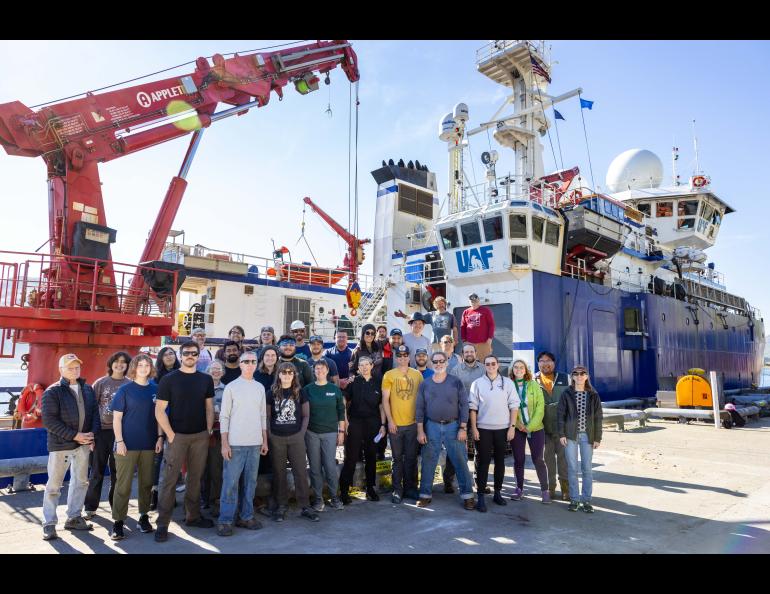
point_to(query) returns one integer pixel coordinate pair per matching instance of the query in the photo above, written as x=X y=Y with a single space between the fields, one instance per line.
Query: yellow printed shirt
x=403 y=394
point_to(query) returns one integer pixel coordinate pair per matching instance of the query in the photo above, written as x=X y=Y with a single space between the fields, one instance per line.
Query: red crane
x=76 y=299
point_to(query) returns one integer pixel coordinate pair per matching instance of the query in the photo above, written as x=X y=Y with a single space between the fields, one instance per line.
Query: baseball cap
x=286 y=340
x=579 y=368
x=297 y=325
x=402 y=349
x=395 y=332
x=421 y=351
x=316 y=338
x=65 y=360
x=267 y=329
x=473 y=296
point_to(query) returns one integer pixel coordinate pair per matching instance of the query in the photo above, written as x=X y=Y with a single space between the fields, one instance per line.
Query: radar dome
x=634 y=169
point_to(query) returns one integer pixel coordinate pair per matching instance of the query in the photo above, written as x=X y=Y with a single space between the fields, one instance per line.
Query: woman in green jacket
x=529 y=428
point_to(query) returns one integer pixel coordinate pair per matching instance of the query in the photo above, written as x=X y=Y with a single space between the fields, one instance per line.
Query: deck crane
x=353 y=258
x=76 y=299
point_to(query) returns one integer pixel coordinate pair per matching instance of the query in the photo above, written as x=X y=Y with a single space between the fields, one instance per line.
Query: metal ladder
x=370 y=304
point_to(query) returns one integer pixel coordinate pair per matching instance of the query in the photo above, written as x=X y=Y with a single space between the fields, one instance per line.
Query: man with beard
x=317 y=353
x=288 y=347
x=396 y=340
x=232 y=367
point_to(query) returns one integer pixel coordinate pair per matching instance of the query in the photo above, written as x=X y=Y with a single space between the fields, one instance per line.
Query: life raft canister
x=30 y=407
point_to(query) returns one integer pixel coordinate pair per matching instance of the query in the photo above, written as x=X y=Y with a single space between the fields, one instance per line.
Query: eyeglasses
x=576 y=373
x=249 y=361
x=287 y=372
x=190 y=354
x=369 y=333
x=402 y=355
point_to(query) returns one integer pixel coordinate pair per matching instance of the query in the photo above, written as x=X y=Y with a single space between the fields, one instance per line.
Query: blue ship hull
x=581 y=322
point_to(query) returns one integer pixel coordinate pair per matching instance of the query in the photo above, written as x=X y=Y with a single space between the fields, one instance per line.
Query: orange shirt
x=547 y=382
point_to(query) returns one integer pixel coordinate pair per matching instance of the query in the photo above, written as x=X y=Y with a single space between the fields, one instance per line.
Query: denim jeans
x=586 y=455
x=445 y=435
x=245 y=460
x=58 y=463
x=322 y=458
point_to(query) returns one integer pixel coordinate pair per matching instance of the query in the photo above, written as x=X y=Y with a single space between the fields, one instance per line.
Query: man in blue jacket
x=71 y=416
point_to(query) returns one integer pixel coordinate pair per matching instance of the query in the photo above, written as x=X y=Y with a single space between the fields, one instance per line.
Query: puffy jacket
x=560 y=384
x=60 y=414
x=567 y=417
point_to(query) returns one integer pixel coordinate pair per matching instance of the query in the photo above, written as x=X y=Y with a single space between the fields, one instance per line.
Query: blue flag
x=558 y=116
x=585 y=103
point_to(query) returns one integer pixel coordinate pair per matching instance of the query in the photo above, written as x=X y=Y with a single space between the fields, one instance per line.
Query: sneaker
x=588 y=508
x=161 y=534
x=310 y=514
x=424 y=501
x=224 y=529
x=279 y=515
x=318 y=505
x=546 y=496
x=481 y=505
x=517 y=493
x=89 y=514
x=180 y=488
x=335 y=503
x=250 y=524
x=201 y=522
x=395 y=498
x=144 y=524
x=78 y=523
x=371 y=494
x=117 y=531
x=574 y=506
x=469 y=504
x=49 y=532
x=498 y=498
x=448 y=488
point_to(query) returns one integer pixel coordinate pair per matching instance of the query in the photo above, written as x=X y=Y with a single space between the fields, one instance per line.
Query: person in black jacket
x=71 y=416
x=579 y=421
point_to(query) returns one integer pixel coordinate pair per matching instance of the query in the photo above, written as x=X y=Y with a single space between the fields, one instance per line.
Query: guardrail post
x=715 y=397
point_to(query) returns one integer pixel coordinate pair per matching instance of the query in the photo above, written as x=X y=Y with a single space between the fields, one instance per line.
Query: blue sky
x=247 y=182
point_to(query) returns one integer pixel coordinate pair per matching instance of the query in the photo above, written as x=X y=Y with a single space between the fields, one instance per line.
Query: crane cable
x=302 y=236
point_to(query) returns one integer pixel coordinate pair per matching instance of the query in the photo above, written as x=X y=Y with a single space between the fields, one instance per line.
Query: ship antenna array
x=695 y=145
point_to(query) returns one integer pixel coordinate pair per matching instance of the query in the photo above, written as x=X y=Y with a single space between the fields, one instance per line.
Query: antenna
x=695 y=143
x=674 y=159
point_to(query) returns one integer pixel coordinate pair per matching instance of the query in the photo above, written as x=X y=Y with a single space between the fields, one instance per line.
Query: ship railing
x=497 y=46
x=82 y=284
x=276 y=269
x=504 y=190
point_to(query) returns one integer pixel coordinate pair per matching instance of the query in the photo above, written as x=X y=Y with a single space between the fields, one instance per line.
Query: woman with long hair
x=165 y=363
x=367 y=347
x=236 y=334
x=289 y=412
x=137 y=439
x=105 y=389
x=579 y=419
x=529 y=429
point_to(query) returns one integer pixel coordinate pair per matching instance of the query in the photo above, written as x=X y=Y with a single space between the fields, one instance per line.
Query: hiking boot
x=49 y=532
x=588 y=508
x=251 y=524
x=224 y=529
x=335 y=503
x=470 y=504
x=279 y=515
x=498 y=498
x=78 y=523
x=424 y=501
x=546 y=496
x=144 y=524
x=481 y=505
x=371 y=494
x=517 y=493
x=117 y=531
x=201 y=522
x=574 y=506
x=310 y=514
x=449 y=488
x=161 y=534
x=154 y=500
x=564 y=490
x=318 y=505
x=395 y=498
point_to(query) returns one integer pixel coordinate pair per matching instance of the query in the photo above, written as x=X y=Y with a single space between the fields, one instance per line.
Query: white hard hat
x=297 y=325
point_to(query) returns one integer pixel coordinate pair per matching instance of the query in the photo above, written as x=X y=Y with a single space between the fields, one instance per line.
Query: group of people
x=217 y=417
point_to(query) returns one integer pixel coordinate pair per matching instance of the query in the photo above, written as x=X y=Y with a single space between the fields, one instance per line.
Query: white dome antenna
x=634 y=169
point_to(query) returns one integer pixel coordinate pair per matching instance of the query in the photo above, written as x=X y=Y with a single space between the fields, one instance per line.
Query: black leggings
x=491 y=440
x=361 y=432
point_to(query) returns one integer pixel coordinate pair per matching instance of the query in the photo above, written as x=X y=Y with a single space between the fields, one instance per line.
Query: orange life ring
x=699 y=181
x=30 y=407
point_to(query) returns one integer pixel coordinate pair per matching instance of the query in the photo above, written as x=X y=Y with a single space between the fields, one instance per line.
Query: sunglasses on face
x=576 y=373
x=189 y=354
x=402 y=355
x=369 y=333
x=287 y=372
x=439 y=361
x=491 y=364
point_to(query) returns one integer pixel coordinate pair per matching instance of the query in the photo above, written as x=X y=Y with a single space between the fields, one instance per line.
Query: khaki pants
x=125 y=465
x=482 y=350
x=190 y=448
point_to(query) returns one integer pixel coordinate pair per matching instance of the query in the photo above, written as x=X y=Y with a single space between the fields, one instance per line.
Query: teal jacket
x=535 y=407
x=560 y=384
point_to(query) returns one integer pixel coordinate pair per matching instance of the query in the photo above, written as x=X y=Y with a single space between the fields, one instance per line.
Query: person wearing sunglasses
x=367 y=347
x=243 y=424
x=579 y=421
x=529 y=429
x=494 y=406
x=289 y=412
x=399 y=401
x=442 y=420
x=189 y=396
x=287 y=345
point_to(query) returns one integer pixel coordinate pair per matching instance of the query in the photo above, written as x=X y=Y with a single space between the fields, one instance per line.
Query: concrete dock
x=663 y=488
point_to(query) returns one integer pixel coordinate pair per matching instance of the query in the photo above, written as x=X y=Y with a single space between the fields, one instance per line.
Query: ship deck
x=664 y=488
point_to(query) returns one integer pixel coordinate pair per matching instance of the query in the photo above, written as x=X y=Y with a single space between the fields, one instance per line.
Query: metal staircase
x=369 y=305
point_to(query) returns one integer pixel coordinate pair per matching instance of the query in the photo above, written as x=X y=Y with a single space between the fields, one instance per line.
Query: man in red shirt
x=478 y=327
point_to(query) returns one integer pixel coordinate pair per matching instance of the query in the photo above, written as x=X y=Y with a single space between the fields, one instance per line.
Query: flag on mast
x=537 y=68
x=557 y=115
x=586 y=104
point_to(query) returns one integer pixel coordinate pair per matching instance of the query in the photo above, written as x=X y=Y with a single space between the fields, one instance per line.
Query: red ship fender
x=30 y=407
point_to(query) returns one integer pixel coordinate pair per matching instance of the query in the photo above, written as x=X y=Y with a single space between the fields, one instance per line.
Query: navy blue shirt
x=304 y=350
x=137 y=403
x=341 y=358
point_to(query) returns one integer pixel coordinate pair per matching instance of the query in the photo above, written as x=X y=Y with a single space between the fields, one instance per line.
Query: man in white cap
x=71 y=416
x=298 y=331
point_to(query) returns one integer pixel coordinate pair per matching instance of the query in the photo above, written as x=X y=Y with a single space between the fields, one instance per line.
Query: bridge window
x=552 y=233
x=644 y=208
x=471 y=233
x=538 y=225
x=687 y=208
x=702 y=224
x=664 y=209
x=493 y=228
x=519 y=254
x=450 y=238
x=518 y=224
x=688 y=223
